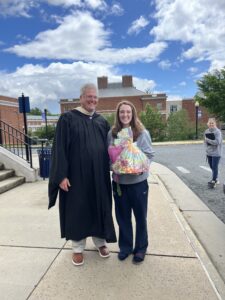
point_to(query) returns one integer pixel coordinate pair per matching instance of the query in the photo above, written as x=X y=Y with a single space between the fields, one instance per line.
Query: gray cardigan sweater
x=144 y=144
x=213 y=147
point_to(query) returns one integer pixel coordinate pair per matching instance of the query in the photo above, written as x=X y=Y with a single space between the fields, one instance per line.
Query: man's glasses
x=89 y=97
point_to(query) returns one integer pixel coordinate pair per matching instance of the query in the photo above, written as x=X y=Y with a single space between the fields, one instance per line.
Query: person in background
x=133 y=189
x=80 y=171
x=213 y=145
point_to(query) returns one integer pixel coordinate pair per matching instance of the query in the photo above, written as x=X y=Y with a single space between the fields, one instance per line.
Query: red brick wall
x=154 y=103
x=106 y=104
x=102 y=82
x=127 y=81
x=10 y=114
x=189 y=106
x=111 y=103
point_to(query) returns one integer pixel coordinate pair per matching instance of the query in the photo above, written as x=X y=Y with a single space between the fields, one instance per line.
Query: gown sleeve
x=59 y=159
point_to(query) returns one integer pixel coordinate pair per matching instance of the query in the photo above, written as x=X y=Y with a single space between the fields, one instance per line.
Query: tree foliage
x=35 y=111
x=38 y=112
x=110 y=118
x=211 y=93
x=153 y=122
x=42 y=134
x=179 y=126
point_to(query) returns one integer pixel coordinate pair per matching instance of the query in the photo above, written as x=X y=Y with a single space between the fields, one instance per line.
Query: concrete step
x=4 y=174
x=10 y=183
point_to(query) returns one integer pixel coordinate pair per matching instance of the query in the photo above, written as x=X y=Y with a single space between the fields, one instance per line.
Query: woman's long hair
x=136 y=125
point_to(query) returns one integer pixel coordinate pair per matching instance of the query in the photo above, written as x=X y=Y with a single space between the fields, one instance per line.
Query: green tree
x=211 y=93
x=38 y=112
x=35 y=111
x=153 y=122
x=110 y=118
x=179 y=126
x=41 y=132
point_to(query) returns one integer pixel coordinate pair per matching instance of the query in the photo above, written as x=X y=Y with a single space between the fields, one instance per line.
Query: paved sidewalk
x=36 y=264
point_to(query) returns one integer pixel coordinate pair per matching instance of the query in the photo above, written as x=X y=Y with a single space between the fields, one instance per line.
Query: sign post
x=24 y=107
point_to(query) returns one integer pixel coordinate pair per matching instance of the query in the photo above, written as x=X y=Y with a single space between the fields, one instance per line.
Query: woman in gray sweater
x=213 y=143
x=132 y=194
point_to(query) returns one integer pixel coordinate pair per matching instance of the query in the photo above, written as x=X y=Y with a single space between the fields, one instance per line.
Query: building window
x=173 y=108
x=159 y=106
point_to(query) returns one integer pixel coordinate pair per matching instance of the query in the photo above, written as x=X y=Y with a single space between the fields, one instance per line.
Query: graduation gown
x=80 y=153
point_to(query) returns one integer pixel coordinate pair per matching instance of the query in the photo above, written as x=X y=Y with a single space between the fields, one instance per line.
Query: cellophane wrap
x=125 y=156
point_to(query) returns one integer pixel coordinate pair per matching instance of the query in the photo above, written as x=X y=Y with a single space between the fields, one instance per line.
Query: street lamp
x=196 y=119
x=46 y=123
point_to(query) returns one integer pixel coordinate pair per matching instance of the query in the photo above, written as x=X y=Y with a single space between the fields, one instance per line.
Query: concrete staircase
x=8 y=180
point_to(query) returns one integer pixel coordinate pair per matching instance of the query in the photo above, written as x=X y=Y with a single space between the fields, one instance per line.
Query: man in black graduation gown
x=80 y=172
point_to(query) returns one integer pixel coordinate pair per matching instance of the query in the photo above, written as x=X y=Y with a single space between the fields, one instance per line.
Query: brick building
x=9 y=113
x=36 y=122
x=188 y=104
x=110 y=94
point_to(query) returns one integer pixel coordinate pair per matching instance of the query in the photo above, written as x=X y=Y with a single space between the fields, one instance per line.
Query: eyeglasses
x=90 y=97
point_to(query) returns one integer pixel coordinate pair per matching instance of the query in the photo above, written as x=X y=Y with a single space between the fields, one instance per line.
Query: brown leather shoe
x=103 y=251
x=77 y=259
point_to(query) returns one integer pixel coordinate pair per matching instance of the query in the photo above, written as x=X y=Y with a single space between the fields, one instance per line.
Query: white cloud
x=138 y=25
x=183 y=83
x=216 y=64
x=16 y=7
x=193 y=70
x=81 y=37
x=93 y=4
x=76 y=36
x=200 y=23
x=23 y=7
x=174 y=97
x=47 y=85
x=164 y=64
x=143 y=84
x=96 y=4
x=117 y=9
x=65 y=3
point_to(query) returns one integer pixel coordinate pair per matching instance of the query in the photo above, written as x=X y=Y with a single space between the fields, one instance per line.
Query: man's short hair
x=88 y=86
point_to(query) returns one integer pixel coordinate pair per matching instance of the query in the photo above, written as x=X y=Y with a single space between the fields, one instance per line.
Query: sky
x=50 y=48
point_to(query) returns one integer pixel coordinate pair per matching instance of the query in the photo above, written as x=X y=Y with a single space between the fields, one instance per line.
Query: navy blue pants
x=134 y=197
x=214 y=163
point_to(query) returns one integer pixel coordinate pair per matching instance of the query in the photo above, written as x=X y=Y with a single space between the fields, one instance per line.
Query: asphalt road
x=189 y=163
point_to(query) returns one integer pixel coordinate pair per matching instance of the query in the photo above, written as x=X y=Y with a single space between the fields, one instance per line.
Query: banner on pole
x=24 y=104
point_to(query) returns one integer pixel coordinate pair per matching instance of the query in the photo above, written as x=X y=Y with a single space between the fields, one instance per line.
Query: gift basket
x=125 y=156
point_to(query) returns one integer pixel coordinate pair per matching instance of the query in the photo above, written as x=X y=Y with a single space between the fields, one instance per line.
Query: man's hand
x=65 y=184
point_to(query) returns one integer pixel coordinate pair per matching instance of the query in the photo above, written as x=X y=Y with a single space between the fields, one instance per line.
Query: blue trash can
x=44 y=156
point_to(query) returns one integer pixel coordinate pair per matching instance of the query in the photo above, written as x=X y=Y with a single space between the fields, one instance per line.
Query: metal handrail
x=16 y=142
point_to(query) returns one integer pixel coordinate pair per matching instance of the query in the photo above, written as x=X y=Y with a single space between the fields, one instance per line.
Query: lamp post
x=46 y=123
x=196 y=119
